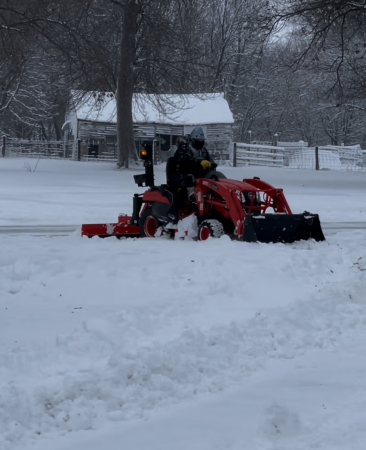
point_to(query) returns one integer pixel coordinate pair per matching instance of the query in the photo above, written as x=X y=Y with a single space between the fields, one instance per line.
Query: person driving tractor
x=191 y=159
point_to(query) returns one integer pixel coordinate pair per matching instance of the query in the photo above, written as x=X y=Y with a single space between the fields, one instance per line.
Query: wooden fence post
x=79 y=150
x=64 y=145
x=316 y=158
x=4 y=146
x=234 y=155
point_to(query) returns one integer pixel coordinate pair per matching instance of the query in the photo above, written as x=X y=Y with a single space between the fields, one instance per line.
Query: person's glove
x=205 y=164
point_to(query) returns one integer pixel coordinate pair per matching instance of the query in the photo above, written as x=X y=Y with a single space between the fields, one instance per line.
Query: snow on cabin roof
x=163 y=109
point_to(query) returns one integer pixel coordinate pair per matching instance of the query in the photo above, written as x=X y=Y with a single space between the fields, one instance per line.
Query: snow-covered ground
x=178 y=345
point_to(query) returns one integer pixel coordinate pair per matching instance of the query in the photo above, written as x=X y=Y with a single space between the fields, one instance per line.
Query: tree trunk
x=125 y=85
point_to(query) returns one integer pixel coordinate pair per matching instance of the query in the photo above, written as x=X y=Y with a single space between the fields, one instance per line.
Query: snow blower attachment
x=249 y=210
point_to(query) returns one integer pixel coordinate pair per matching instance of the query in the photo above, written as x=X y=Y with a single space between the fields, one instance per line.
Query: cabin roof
x=200 y=109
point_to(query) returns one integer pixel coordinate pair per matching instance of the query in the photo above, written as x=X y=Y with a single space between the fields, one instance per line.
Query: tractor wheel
x=210 y=228
x=148 y=224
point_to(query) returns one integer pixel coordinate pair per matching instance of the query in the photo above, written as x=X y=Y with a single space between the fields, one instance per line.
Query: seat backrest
x=171 y=167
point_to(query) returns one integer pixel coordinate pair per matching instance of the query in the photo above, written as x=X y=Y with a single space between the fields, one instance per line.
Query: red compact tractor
x=249 y=210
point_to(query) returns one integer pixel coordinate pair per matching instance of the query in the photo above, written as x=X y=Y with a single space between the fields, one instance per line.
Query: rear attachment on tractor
x=123 y=228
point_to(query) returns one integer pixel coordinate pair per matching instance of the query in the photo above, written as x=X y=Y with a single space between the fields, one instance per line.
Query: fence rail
x=347 y=154
x=328 y=157
x=257 y=155
x=295 y=156
x=105 y=158
x=36 y=149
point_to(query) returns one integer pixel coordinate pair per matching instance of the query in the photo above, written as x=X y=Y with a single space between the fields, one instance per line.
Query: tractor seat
x=164 y=190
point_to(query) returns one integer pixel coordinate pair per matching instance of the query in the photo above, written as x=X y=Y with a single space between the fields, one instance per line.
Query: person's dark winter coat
x=190 y=158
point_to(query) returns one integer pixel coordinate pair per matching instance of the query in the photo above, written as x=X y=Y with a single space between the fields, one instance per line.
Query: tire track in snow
x=65 y=230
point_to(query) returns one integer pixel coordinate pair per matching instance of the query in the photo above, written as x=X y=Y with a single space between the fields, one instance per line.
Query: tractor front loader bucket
x=285 y=228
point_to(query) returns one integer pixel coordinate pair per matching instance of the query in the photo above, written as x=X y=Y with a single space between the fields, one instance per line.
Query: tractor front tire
x=210 y=228
x=148 y=224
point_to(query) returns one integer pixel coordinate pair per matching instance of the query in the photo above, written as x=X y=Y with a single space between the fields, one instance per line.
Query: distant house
x=157 y=118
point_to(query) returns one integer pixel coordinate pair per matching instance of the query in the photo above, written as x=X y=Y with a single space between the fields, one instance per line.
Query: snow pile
x=215 y=344
x=139 y=358
x=187 y=228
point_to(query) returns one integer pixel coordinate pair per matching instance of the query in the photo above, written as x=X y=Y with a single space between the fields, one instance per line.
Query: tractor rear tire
x=210 y=228
x=148 y=224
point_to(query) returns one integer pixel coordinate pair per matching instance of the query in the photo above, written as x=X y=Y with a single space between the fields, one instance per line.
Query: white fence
x=257 y=155
x=35 y=149
x=348 y=155
x=328 y=157
x=296 y=156
x=290 y=148
x=12 y=147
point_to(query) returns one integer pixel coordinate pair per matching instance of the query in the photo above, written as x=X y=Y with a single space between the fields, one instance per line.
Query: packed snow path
x=65 y=230
x=215 y=344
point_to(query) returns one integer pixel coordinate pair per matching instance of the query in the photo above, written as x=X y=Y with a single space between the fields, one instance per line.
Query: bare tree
x=332 y=31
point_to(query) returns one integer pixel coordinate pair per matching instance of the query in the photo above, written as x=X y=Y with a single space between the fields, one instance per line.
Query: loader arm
x=245 y=205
